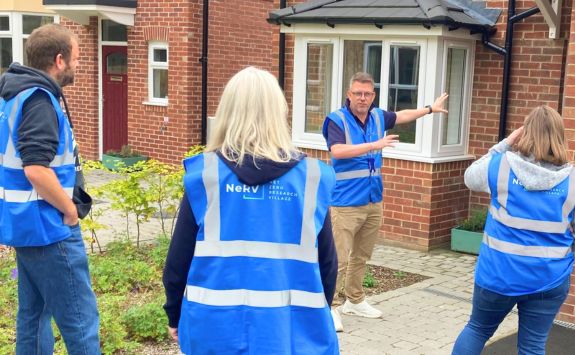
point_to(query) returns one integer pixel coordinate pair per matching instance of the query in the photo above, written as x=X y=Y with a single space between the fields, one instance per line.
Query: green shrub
x=147 y=321
x=369 y=280
x=476 y=221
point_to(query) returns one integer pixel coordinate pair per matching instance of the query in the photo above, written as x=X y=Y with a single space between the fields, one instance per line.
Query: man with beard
x=42 y=197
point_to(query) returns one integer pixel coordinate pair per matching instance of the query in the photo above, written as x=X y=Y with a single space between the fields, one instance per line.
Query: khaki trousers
x=355 y=231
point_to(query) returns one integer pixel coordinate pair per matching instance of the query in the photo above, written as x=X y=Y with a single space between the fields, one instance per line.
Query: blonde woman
x=252 y=264
x=525 y=258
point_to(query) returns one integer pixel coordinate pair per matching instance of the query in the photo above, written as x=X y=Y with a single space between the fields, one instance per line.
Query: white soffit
x=81 y=13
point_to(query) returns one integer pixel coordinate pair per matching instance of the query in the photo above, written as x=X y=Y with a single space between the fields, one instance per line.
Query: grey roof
x=453 y=13
x=116 y=3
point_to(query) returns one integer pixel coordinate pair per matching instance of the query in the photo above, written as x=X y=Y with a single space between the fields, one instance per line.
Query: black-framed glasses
x=366 y=94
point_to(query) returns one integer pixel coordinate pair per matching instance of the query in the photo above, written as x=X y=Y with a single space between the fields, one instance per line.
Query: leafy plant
x=399 y=274
x=369 y=279
x=146 y=321
x=126 y=151
x=476 y=221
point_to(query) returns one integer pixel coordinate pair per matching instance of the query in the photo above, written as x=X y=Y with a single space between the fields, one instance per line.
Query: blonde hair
x=252 y=119
x=543 y=136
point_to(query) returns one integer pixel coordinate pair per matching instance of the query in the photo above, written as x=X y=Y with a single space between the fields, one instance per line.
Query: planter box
x=115 y=163
x=466 y=241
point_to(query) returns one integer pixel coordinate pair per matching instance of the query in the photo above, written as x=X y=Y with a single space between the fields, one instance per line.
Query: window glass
x=318 y=85
x=403 y=87
x=114 y=32
x=160 y=55
x=4 y=23
x=361 y=56
x=455 y=84
x=31 y=22
x=117 y=63
x=5 y=54
x=160 y=83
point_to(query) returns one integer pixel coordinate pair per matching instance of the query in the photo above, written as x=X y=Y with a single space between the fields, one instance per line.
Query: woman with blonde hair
x=525 y=258
x=252 y=265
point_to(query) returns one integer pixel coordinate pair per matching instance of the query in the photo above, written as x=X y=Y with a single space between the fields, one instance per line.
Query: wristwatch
x=430 y=109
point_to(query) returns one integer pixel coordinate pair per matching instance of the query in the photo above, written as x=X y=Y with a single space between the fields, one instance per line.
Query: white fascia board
x=371 y=30
x=81 y=13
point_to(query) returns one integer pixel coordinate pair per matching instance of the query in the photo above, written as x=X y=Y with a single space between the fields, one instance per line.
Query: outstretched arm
x=406 y=116
x=345 y=151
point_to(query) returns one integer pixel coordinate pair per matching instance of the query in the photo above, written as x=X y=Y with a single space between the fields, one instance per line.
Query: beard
x=66 y=77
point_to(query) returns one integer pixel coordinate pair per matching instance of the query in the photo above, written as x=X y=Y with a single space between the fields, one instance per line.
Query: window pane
x=455 y=83
x=361 y=56
x=404 y=65
x=160 y=55
x=160 y=83
x=25 y=55
x=31 y=22
x=5 y=54
x=117 y=63
x=403 y=87
x=4 y=23
x=318 y=85
x=114 y=32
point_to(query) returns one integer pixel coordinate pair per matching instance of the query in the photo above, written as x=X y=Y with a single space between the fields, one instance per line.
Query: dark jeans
x=536 y=314
x=54 y=281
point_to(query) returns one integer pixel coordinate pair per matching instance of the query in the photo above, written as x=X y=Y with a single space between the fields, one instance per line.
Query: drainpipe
x=282 y=51
x=512 y=18
x=204 y=61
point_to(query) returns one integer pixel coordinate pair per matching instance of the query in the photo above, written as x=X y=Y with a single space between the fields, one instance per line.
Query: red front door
x=115 y=92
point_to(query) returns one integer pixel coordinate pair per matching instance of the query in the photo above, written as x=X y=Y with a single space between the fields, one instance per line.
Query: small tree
x=129 y=196
x=91 y=222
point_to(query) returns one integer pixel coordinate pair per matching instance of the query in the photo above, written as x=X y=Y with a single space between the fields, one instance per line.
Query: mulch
x=387 y=279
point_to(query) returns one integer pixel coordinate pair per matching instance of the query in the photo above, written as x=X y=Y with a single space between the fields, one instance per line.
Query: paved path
x=424 y=318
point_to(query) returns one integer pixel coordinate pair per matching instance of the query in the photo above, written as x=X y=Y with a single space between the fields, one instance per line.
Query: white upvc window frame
x=433 y=60
x=152 y=45
x=300 y=137
x=461 y=147
x=417 y=146
x=16 y=29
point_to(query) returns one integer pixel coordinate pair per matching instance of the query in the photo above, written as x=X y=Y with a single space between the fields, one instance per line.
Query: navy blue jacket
x=183 y=242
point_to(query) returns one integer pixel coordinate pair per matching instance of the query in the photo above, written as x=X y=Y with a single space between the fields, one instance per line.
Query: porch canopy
x=454 y=14
x=80 y=11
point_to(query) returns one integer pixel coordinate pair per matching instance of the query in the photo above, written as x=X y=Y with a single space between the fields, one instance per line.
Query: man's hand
x=437 y=105
x=71 y=219
x=47 y=185
x=387 y=141
x=173 y=333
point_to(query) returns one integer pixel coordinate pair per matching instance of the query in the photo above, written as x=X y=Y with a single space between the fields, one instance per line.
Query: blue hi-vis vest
x=527 y=242
x=25 y=218
x=254 y=285
x=358 y=183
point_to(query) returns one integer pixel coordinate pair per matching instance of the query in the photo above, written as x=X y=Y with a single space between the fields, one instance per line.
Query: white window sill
x=422 y=159
x=154 y=103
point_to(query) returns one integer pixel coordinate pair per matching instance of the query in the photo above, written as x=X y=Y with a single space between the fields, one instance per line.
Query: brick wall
x=82 y=96
x=239 y=36
x=177 y=22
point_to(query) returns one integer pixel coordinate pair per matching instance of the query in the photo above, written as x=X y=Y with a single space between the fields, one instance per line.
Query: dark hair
x=45 y=43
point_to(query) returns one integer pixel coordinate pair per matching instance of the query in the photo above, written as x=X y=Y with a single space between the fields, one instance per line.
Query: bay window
x=409 y=73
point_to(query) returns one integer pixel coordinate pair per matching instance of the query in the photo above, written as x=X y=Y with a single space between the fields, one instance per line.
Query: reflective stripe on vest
x=253 y=298
x=19 y=196
x=346 y=175
x=502 y=216
x=525 y=250
x=213 y=246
